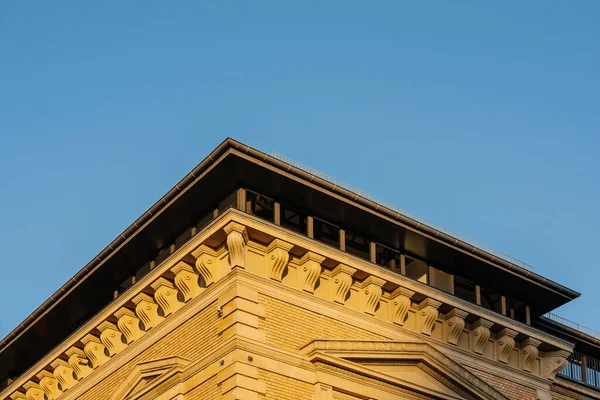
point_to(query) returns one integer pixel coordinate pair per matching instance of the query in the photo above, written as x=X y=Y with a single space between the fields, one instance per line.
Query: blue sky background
x=480 y=116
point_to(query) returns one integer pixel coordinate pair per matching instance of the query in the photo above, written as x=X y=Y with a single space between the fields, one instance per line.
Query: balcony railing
x=398 y=209
x=583 y=369
x=572 y=325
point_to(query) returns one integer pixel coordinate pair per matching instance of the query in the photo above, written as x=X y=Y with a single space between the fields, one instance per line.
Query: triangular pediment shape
x=147 y=375
x=415 y=367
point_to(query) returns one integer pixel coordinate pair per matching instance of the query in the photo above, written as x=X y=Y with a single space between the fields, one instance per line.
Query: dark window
x=465 y=289
x=387 y=257
x=293 y=219
x=357 y=245
x=491 y=301
x=259 y=205
x=326 y=233
x=516 y=310
x=417 y=270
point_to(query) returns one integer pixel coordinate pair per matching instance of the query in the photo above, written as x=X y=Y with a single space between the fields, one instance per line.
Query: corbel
x=49 y=384
x=64 y=373
x=129 y=324
x=94 y=350
x=79 y=362
x=454 y=324
x=370 y=294
x=400 y=301
x=309 y=270
x=186 y=280
x=165 y=295
x=33 y=391
x=237 y=237
x=342 y=280
x=505 y=342
x=480 y=333
x=277 y=258
x=147 y=310
x=428 y=313
x=529 y=351
x=111 y=338
x=553 y=362
x=206 y=264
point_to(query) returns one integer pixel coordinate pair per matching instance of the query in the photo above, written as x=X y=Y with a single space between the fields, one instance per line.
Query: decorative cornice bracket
x=400 y=301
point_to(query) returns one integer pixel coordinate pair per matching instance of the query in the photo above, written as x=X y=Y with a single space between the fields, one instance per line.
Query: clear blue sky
x=480 y=116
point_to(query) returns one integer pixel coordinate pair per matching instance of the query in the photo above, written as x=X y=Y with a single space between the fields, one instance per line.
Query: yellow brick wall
x=206 y=391
x=192 y=340
x=278 y=387
x=291 y=327
x=512 y=390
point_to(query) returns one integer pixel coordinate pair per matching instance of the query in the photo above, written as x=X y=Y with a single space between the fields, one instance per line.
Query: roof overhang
x=232 y=165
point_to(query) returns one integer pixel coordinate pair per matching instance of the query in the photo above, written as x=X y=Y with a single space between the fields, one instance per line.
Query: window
x=417 y=270
x=357 y=245
x=516 y=310
x=259 y=205
x=465 y=289
x=326 y=232
x=387 y=257
x=293 y=219
x=491 y=300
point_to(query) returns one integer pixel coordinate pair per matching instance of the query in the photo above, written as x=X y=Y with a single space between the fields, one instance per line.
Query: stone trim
x=169 y=297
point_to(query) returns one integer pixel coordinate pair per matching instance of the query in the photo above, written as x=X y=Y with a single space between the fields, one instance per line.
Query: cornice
x=231 y=264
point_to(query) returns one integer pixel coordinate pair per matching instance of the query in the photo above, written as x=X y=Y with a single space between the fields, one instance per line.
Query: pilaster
x=240 y=312
x=239 y=381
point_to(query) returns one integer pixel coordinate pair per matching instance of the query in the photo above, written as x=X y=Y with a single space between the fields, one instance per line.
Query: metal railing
x=399 y=210
x=572 y=325
x=584 y=369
